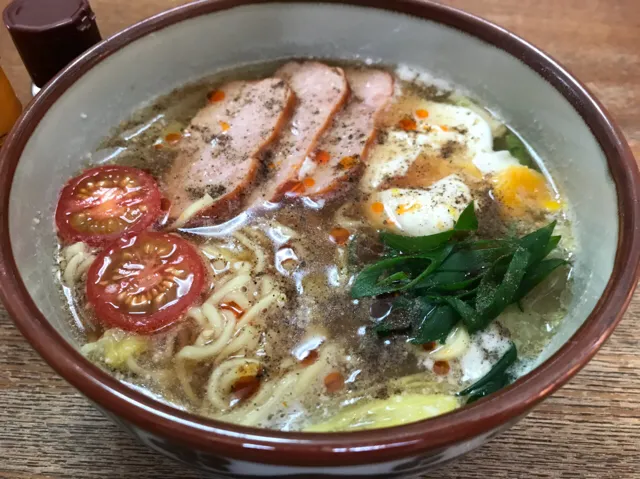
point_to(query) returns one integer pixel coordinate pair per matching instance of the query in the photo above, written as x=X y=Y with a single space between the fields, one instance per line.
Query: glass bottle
x=10 y=107
x=50 y=34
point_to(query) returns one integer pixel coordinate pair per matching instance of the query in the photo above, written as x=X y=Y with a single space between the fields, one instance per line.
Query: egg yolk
x=521 y=189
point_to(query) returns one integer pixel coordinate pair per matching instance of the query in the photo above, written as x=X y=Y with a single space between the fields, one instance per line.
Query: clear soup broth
x=317 y=247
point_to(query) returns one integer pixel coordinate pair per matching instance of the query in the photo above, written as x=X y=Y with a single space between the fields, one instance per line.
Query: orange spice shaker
x=10 y=107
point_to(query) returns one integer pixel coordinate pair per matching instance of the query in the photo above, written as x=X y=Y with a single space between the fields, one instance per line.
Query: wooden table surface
x=589 y=429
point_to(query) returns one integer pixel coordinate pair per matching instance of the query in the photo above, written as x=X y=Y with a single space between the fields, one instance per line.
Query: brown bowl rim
x=339 y=449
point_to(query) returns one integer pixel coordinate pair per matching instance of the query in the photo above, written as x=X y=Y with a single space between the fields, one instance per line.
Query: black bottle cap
x=49 y=34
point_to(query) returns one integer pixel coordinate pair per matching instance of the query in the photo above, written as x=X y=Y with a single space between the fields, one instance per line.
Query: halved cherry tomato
x=106 y=202
x=146 y=282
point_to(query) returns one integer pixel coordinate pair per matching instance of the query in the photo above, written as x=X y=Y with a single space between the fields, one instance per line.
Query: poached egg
x=419 y=212
x=428 y=142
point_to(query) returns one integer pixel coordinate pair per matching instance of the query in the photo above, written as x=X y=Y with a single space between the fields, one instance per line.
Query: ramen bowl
x=582 y=147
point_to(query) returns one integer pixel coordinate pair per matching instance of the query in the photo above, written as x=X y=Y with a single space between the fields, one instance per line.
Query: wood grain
x=590 y=429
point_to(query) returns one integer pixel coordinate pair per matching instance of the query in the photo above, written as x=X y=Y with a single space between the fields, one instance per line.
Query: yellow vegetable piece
x=455 y=346
x=117 y=348
x=379 y=413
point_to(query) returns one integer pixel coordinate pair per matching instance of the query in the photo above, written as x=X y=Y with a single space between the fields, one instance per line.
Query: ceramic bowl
x=581 y=146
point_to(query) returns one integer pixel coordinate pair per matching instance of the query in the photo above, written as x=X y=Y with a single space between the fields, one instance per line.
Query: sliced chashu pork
x=227 y=137
x=341 y=153
x=320 y=91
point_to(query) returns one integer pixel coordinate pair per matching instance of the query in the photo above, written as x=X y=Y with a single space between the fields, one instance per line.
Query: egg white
x=417 y=212
x=463 y=126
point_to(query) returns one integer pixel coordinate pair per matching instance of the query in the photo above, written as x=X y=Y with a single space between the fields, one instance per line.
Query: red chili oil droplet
x=339 y=236
x=430 y=346
x=377 y=207
x=165 y=204
x=296 y=189
x=245 y=387
x=334 y=382
x=173 y=138
x=311 y=357
x=215 y=96
x=408 y=124
x=322 y=157
x=234 y=307
x=441 y=368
